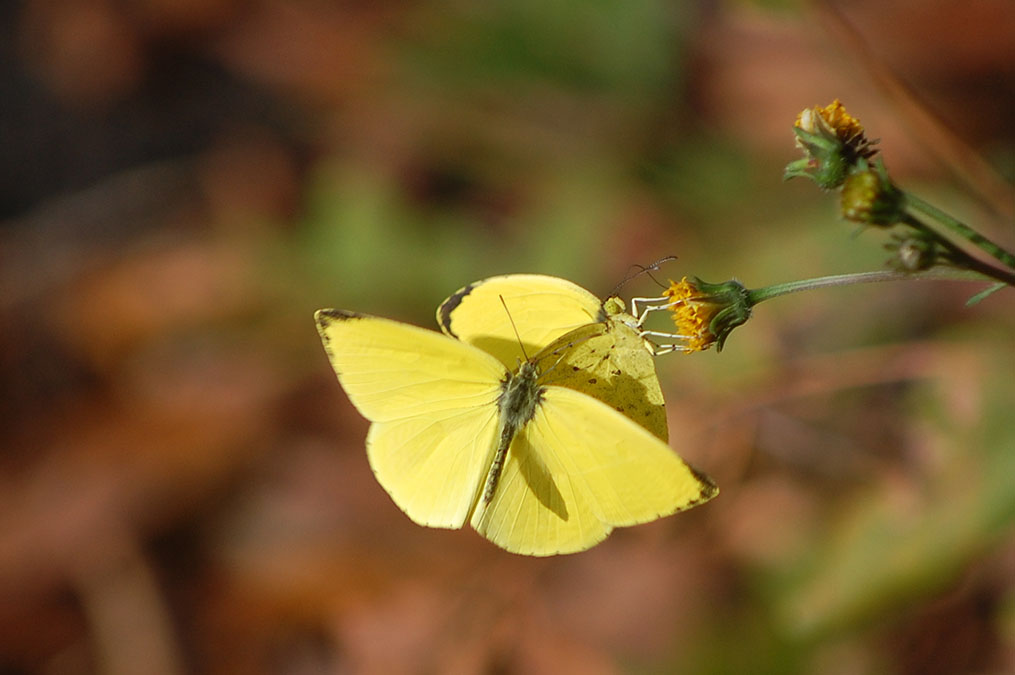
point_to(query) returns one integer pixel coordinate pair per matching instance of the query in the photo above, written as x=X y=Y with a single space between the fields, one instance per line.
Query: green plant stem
x=963 y=230
x=760 y=294
x=960 y=258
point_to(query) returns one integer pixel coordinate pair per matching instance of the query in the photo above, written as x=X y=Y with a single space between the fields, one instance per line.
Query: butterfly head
x=612 y=306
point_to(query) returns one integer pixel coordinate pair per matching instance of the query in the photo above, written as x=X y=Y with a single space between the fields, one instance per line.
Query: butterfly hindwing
x=433 y=467
x=577 y=470
x=633 y=476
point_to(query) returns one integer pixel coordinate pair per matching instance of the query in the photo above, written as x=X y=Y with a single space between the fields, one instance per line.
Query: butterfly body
x=517 y=405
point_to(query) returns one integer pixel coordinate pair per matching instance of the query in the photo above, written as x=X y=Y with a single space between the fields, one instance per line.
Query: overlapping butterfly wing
x=608 y=362
x=542 y=308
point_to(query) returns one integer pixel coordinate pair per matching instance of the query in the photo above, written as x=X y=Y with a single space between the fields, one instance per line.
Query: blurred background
x=183 y=484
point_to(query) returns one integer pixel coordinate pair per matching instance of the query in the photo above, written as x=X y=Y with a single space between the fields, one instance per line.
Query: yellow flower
x=692 y=316
x=833 y=116
x=705 y=314
x=833 y=142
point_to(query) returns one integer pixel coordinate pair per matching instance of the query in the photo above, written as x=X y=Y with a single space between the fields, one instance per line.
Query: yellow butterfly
x=535 y=467
x=613 y=362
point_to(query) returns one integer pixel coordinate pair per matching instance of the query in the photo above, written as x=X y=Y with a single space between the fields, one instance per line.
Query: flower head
x=833 y=142
x=704 y=313
x=834 y=117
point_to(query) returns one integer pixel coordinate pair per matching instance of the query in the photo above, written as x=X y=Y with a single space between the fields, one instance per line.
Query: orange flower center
x=691 y=315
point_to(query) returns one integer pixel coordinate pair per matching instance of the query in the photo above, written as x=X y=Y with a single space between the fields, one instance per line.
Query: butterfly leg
x=657 y=349
x=651 y=305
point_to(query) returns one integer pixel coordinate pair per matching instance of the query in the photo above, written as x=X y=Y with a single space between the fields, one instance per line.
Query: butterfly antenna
x=638 y=270
x=521 y=345
x=654 y=267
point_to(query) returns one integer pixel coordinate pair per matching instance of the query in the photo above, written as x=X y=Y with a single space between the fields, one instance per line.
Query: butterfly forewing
x=541 y=307
x=433 y=402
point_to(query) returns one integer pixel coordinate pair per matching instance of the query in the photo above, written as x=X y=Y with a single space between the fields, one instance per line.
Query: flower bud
x=869 y=197
x=914 y=254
